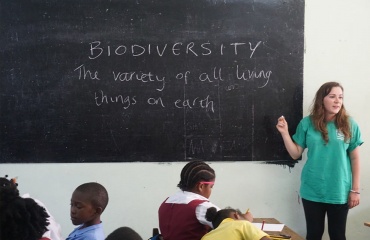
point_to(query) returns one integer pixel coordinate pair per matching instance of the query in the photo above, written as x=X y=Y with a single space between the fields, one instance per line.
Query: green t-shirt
x=327 y=175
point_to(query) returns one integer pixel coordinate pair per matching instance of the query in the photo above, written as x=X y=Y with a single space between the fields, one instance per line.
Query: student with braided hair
x=182 y=215
x=20 y=218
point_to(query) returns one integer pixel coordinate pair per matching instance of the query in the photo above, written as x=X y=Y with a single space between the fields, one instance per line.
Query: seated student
x=124 y=233
x=182 y=215
x=54 y=230
x=87 y=204
x=232 y=224
x=20 y=218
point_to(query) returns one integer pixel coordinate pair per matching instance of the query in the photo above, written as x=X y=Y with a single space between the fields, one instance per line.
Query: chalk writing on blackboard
x=205 y=102
x=157 y=81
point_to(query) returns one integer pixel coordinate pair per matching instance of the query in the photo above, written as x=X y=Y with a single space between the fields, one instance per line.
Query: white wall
x=337 y=35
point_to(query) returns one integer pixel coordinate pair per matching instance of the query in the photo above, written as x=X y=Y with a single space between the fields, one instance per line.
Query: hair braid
x=20 y=218
x=193 y=172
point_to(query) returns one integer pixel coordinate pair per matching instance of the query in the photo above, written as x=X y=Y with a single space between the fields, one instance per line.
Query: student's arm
x=200 y=212
x=294 y=150
x=354 y=198
x=265 y=238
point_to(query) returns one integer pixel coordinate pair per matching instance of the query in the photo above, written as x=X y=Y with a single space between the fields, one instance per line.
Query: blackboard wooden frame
x=158 y=81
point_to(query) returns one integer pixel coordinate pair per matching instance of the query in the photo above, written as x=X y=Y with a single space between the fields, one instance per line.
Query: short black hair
x=124 y=233
x=20 y=218
x=216 y=217
x=194 y=172
x=96 y=192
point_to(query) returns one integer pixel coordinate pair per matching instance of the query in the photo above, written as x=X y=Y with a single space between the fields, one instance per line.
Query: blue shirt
x=94 y=232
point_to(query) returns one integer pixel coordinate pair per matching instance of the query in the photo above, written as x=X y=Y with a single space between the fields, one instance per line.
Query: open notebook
x=272 y=227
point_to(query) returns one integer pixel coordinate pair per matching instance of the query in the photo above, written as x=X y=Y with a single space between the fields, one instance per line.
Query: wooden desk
x=367 y=224
x=286 y=230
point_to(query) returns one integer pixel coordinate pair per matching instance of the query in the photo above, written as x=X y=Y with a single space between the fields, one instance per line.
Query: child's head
x=197 y=177
x=216 y=217
x=124 y=233
x=20 y=213
x=88 y=203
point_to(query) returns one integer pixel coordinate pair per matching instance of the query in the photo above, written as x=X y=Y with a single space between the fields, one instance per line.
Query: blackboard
x=149 y=81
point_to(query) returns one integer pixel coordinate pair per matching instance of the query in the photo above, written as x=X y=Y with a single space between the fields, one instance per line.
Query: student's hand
x=248 y=216
x=282 y=125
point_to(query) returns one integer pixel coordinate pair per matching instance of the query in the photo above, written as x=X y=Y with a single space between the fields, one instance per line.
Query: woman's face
x=333 y=102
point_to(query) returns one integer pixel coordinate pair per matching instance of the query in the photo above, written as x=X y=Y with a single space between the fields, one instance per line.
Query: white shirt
x=184 y=197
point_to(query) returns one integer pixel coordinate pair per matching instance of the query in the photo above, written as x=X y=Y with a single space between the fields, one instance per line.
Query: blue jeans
x=315 y=219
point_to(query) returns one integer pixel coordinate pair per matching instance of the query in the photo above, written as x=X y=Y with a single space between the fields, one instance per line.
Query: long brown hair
x=318 y=113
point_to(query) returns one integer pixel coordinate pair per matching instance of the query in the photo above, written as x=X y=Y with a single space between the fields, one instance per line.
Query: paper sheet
x=273 y=227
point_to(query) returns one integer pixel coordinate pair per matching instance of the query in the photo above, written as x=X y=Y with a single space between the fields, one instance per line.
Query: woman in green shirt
x=330 y=180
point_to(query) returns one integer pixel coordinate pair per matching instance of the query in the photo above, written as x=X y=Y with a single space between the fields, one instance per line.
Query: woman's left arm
x=354 y=195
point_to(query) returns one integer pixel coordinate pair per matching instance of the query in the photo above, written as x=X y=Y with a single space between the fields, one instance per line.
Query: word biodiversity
x=176 y=49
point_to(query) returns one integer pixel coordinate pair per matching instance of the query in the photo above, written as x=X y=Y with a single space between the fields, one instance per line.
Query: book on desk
x=286 y=231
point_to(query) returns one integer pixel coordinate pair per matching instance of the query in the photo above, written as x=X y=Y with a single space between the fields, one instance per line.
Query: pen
x=279 y=237
x=247 y=211
x=263 y=223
